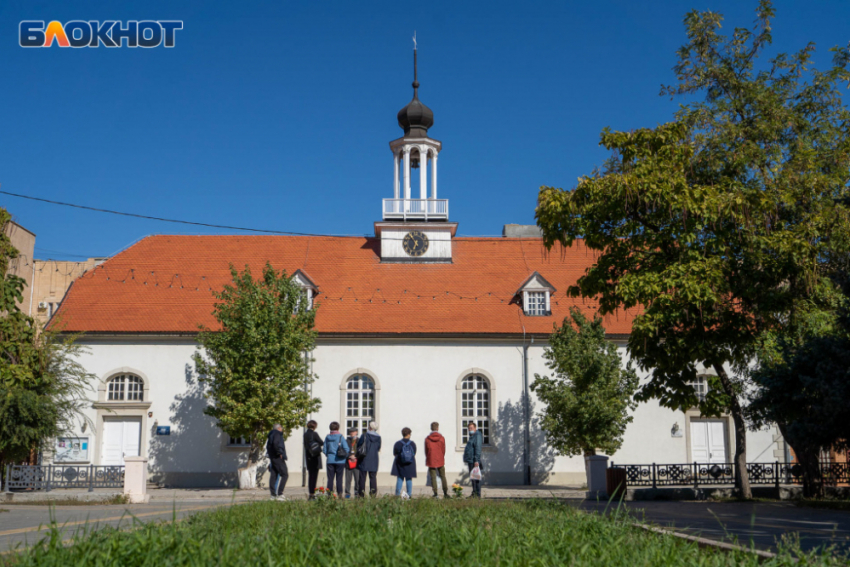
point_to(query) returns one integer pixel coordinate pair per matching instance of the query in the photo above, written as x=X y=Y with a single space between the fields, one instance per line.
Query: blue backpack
x=407 y=454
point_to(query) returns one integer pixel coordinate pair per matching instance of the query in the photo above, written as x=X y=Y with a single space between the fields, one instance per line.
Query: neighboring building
x=23 y=265
x=415 y=325
x=52 y=280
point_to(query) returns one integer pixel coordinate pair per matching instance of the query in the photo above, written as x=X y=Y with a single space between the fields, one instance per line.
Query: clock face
x=415 y=243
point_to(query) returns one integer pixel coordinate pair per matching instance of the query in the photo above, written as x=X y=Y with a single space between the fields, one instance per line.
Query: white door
x=708 y=441
x=121 y=438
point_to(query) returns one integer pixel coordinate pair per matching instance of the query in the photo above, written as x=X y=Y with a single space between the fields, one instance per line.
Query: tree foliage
x=716 y=228
x=42 y=383
x=589 y=397
x=257 y=365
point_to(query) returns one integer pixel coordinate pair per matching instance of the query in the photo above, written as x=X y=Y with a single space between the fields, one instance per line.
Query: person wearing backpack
x=351 y=472
x=336 y=451
x=404 y=464
x=312 y=455
x=472 y=456
x=435 y=459
x=368 y=447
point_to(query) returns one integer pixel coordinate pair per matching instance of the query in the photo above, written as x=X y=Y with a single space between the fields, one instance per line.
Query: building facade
x=415 y=325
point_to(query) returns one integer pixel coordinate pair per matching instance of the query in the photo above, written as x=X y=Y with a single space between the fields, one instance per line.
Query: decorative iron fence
x=702 y=474
x=48 y=477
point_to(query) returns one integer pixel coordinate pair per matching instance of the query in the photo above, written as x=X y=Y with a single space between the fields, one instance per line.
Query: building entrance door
x=121 y=438
x=708 y=441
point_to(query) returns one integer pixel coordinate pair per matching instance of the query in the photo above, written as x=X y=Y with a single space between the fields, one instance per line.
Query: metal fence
x=701 y=474
x=48 y=477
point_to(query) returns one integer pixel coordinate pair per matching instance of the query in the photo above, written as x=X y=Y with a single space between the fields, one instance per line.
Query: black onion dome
x=415 y=118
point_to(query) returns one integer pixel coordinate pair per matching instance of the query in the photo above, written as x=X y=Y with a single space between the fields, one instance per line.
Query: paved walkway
x=763 y=524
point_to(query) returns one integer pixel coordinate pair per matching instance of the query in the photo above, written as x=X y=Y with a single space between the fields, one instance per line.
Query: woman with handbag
x=313 y=455
x=336 y=450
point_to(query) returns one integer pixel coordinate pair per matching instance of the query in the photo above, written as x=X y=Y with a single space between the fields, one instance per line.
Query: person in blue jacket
x=404 y=464
x=336 y=459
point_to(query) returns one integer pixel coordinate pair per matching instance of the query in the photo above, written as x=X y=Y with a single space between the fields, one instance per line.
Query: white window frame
x=700 y=386
x=527 y=303
x=132 y=388
x=485 y=423
x=360 y=420
x=238 y=442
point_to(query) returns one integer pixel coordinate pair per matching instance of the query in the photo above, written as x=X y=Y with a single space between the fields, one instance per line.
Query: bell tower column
x=395 y=176
x=423 y=172
x=434 y=175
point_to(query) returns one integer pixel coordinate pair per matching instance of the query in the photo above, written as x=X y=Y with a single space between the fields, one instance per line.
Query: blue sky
x=278 y=114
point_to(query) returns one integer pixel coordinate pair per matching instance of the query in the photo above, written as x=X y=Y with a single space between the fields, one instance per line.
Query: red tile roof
x=162 y=285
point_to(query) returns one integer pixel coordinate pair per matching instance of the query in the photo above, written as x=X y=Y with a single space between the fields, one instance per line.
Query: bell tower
x=415 y=230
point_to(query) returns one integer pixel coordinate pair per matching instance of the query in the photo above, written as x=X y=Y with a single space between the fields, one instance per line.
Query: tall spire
x=415 y=118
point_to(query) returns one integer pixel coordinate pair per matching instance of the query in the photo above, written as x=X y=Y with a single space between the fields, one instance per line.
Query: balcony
x=416 y=209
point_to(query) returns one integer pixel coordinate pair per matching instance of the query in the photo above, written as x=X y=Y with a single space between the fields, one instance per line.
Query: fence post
x=8 y=477
x=91 y=478
x=776 y=478
x=654 y=480
x=696 y=476
x=48 y=477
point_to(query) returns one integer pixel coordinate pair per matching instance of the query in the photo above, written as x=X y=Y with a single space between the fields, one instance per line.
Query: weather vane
x=414 y=40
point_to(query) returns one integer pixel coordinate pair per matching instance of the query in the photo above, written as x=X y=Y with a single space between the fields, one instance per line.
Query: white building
x=415 y=325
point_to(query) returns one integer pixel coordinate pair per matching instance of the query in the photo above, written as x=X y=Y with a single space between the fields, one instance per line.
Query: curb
x=705 y=542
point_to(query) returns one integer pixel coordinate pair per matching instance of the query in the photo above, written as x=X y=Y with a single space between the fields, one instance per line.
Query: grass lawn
x=389 y=532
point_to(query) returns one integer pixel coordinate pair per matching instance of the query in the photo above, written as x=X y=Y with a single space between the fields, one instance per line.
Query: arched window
x=475 y=406
x=125 y=387
x=359 y=402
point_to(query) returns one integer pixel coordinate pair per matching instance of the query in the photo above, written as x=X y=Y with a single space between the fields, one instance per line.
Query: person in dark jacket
x=351 y=474
x=403 y=469
x=277 y=457
x=314 y=461
x=336 y=462
x=368 y=464
x=472 y=455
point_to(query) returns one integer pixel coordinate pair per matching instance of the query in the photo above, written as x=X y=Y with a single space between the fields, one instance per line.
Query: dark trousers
x=312 y=478
x=476 y=484
x=442 y=472
x=351 y=474
x=279 y=476
x=373 y=483
x=335 y=472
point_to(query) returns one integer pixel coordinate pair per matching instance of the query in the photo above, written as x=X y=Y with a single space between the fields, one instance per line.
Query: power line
x=242 y=228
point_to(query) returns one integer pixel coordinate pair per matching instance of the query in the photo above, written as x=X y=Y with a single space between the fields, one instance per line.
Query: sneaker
x=446 y=496
x=281 y=498
x=348 y=496
x=435 y=496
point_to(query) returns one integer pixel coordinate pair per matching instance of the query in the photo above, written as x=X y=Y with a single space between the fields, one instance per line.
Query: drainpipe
x=526 y=449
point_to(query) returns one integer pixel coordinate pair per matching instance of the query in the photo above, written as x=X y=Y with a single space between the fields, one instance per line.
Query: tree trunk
x=742 y=478
x=809 y=461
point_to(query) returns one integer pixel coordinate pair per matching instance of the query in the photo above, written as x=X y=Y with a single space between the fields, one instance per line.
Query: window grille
x=536 y=303
x=359 y=402
x=125 y=387
x=238 y=442
x=700 y=386
x=475 y=406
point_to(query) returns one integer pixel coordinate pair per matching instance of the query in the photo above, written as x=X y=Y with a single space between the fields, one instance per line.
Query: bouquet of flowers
x=457 y=490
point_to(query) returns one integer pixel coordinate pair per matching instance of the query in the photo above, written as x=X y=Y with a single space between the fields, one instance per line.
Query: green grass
x=392 y=533
x=68 y=501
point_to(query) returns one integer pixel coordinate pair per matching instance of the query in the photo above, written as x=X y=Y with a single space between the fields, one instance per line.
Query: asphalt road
x=22 y=526
x=761 y=524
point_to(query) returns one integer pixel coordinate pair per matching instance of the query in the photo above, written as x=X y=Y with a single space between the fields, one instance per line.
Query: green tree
x=589 y=397
x=714 y=228
x=42 y=383
x=257 y=365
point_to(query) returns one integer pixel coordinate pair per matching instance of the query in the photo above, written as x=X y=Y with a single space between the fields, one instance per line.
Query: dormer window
x=536 y=296
x=305 y=282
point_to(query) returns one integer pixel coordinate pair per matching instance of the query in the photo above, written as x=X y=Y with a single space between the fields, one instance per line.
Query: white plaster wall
x=439 y=242
x=417 y=380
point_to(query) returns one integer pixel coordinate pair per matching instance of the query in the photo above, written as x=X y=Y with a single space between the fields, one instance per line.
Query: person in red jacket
x=435 y=459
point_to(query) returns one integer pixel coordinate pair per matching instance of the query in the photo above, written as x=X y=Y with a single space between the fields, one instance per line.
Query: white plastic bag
x=405 y=495
x=475 y=474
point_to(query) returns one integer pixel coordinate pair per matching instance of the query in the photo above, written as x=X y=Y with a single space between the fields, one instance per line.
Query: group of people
x=351 y=459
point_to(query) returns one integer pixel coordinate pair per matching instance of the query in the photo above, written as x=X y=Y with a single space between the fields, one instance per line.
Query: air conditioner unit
x=42 y=305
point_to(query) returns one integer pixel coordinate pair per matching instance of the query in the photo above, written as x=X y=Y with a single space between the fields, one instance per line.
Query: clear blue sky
x=278 y=114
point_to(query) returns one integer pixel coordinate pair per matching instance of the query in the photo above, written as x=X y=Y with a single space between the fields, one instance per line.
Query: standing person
x=277 y=462
x=313 y=455
x=404 y=464
x=435 y=459
x=472 y=456
x=336 y=458
x=351 y=473
x=368 y=447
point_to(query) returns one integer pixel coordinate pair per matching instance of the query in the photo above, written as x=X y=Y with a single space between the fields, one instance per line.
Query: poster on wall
x=72 y=450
